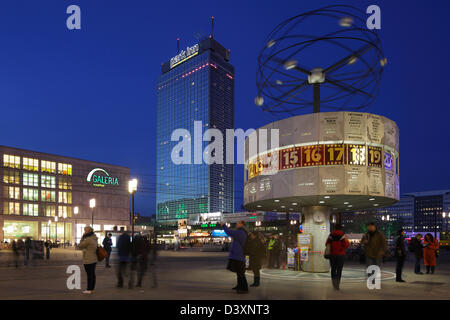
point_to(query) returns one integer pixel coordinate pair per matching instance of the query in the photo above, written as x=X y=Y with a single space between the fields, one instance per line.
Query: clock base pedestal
x=316 y=223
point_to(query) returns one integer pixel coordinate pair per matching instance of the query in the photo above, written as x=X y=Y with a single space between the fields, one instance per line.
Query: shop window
x=65 y=197
x=49 y=210
x=11 y=193
x=65 y=183
x=30 y=179
x=30 y=194
x=30 y=164
x=48 y=166
x=48 y=196
x=11 y=161
x=65 y=169
x=48 y=182
x=11 y=176
x=30 y=209
x=11 y=208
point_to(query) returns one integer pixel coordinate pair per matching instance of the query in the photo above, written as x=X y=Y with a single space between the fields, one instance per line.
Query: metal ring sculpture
x=292 y=63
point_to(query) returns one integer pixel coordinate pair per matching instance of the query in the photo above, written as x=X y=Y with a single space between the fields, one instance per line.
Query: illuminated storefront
x=44 y=196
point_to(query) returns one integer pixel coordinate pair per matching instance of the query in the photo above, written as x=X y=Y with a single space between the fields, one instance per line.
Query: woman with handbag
x=336 y=246
x=89 y=246
x=429 y=252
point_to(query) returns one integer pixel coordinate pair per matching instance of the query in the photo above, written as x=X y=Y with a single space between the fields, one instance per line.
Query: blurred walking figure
x=27 y=249
x=89 y=246
x=124 y=251
x=257 y=252
x=430 y=245
x=400 y=254
x=416 y=247
x=141 y=247
x=338 y=244
x=374 y=244
x=274 y=248
x=236 y=258
x=107 y=245
x=48 y=246
x=16 y=253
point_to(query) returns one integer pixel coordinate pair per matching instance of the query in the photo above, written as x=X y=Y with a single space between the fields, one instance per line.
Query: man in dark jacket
x=417 y=248
x=276 y=252
x=124 y=251
x=400 y=254
x=107 y=245
x=257 y=252
x=374 y=244
x=236 y=258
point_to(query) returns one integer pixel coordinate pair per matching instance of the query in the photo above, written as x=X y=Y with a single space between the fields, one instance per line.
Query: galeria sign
x=100 y=178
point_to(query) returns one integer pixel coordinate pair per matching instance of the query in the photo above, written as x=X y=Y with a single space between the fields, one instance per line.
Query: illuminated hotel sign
x=184 y=55
x=100 y=178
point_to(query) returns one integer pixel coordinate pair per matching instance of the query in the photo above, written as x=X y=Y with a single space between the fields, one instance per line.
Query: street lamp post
x=132 y=188
x=92 y=206
x=75 y=212
x=56 y=231
x=48 y=229
x=64 y=221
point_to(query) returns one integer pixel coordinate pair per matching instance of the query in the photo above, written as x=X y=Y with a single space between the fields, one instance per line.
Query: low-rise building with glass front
x=45 y=196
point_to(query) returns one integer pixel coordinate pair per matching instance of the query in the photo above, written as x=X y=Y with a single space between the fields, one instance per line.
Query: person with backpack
x=257 y=252
x=416 y=247
x=89 y=244
x=431 y=246
x=236 y=258
x=337 y=243
x=400 y=254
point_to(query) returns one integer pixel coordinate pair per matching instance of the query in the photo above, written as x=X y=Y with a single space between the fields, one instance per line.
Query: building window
x=11 y=208
x=30 y=164
x=30 y=179
x=64 y=212
x=49 y=210
x=30 y=209
x=48 y=182
x=65 y=169
x=48 y=196
x=12 y=193
x=65 y=183
x=11 y=176
x=30 y=194
x=48 y=166
x=65 y=197
x=11 y=161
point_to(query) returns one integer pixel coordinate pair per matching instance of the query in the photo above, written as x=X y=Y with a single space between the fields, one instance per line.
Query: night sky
x=91 y=93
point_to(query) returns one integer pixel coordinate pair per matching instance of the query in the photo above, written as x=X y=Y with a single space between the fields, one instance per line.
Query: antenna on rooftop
x=178 y=45
x=212 y=27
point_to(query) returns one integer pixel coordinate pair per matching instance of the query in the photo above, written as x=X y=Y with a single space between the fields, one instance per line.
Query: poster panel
x=390 y=133
x=355 y=177
x=331 y=180
x=355 y=128
x=375 y=183
x=305 y=181
x=375 y=128
x=304 y=254
x=390 y=189
x=331 y=126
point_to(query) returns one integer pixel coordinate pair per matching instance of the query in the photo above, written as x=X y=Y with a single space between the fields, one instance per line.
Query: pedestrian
x=400 y=254
x=257 y=253
x=89 y=244
x=430 y=245
x=124 y=251
x=236 y=258
x=270 y=244
x=416 y=247
x=107 y=245
x=277 y=246
x=338 y=242
x=27 y=249
x=142 y=248
x=16 y=253
x=374 y=244
x=47 y=249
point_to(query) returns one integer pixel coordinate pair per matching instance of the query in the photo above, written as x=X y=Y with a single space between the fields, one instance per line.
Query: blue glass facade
x=198 y=89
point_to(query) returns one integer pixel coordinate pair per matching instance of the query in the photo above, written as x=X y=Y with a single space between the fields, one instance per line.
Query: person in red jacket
x=339 y=244
x=429 y=252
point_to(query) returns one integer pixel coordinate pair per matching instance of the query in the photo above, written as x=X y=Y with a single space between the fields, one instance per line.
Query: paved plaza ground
x=202 y=275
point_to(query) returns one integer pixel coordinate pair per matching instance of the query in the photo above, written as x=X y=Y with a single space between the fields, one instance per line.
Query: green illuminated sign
x=100 y=178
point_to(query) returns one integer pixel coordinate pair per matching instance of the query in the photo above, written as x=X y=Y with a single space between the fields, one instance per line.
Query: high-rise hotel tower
x=195 y=85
